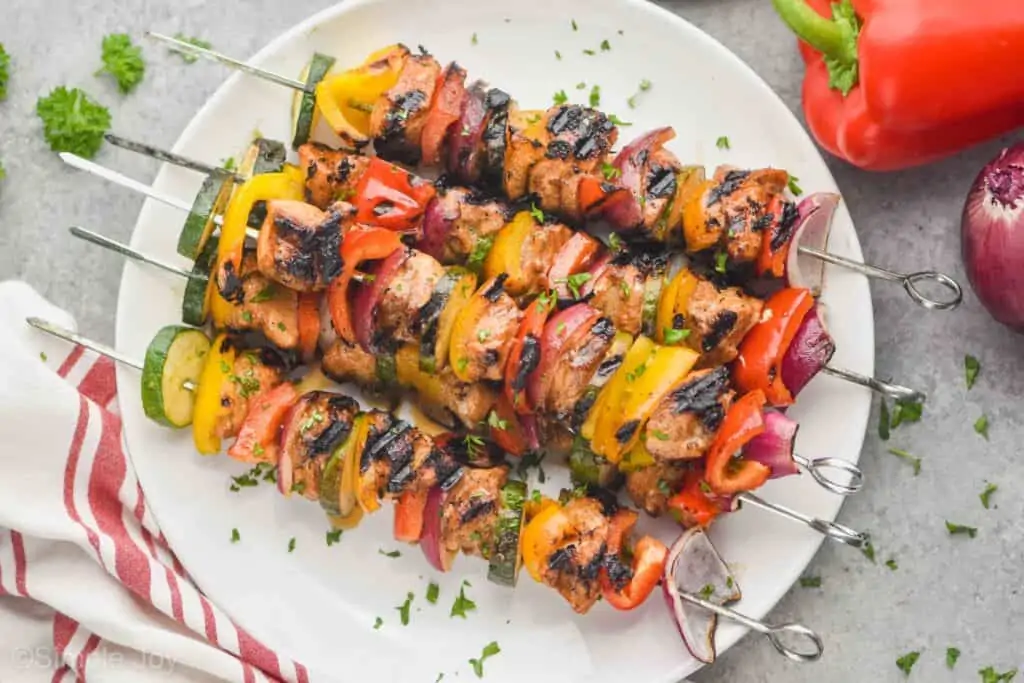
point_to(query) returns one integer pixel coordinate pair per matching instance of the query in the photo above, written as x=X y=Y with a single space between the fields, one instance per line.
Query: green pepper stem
x=827 y=36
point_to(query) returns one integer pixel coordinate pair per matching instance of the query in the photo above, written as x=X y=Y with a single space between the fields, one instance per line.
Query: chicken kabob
x=448 y=499
x=482 y=349
x=417 y=112
x=461 y=226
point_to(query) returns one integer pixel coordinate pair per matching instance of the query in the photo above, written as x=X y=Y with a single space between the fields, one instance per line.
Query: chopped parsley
x=462 y=604
x=907 y=661
x=615 y=120
x=229 y=164
x=560 y=97
x=615 y=242
x=333 y=536
x=291 y=544
x=258 y=450
x=810 y=582
x=664 y=488
x=391 y=554
x=589 y=53
x=42 y=356
x=473 y=445
x=644 y=86
x=72 y=121
x=883 y=420
x=532 y=459
x=658 y=434
x=793 y=186
x=123 y=61
x=906 y=411
x=981 y=426
x=479 y=253
x=403 y=609
x=891 y=564
x=494 y=421
x=674 y=336
x=721 y=258
x=265 y=294
x=196 y=42
x=595 y=96
x=247 y=316
x=281 y=326
x=869 y=551
x=575 y=27
x=971 y=369
x=537 y=214
x=722 y=142
x=581 y=85
x=490 y=650
x=707 y=591
x=574 y=282
x=482 y=335
x=610 y=173
x=952 y=654
x=990 y=675
x=605 y=45
x=235 y=536
x=5 y=73
x=558 y=55
x=916 y=462
x=986 y=495
x=377 y=623
x=956 y=529
x=433 y=591
x=473 y=40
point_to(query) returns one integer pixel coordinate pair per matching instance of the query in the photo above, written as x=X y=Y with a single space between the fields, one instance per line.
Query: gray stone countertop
x=947 y=591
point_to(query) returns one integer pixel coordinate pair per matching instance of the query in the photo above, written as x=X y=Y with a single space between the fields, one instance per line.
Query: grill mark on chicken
x=718 y=320
x=330 y=174
x=266 y=307
x=229 y=284
x=573 y=372
x=318 y=423
x=408 y=292
x=732 y=182
x=643 y=489
x=574 y=561
x=470 y=511
x=249 y=378
x=722 y=325
x=787 y=224
x=300 y=246
x=684 y=423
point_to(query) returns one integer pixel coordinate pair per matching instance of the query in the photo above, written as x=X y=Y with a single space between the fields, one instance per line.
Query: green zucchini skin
x=505 y=556
x=164 y=365
x=194 y=307
x=319 y=65
x=209 y=203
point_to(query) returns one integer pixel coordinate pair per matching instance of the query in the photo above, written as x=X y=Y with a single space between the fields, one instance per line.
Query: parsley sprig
x=73 y=121
x=123 y=61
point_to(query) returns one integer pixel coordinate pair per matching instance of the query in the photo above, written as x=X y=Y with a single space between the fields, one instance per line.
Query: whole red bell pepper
x=897 y=83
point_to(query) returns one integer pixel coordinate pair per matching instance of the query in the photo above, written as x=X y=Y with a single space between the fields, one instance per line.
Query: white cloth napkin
x=89 y=589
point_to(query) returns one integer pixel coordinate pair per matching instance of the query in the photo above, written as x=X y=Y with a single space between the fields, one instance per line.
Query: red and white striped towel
x=89 y=589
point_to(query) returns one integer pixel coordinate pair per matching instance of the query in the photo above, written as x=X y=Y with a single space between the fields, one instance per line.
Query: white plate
x=318 y=604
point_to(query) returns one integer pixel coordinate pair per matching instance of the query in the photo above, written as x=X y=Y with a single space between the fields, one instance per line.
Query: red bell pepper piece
x=573 y=258
x=759 y=364
x=444 y=112
x=725 y=474
x=257 y=438
x=531 y=326
x=597 y=195
x=360 y=244
x=773 y=261
x=309 y=324
x=391 y=197
x=694 y=505
x=506 y=430
x=896 y=83
x=648 y=564
x=409 y=516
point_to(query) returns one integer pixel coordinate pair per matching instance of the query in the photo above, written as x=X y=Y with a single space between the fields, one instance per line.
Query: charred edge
x=678 y=321
x=399 y=460
x=426 y=318
x=381 y=424
x=476 y=507
x=702 y=395
x=603 y=328
x=626 y=432
x=447 y=469
x=329 y=439
x=661 y=182
x=558 y=149
x=619 y=573
x=257 y=214
x=787 y=223
x=722 y=326
x=733 y=181
x=496 y=289
x=583 y=405
x=229 y=284
x=529 y=359
x=392 y=144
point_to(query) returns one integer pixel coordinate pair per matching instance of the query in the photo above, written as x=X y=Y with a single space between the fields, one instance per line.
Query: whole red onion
x=992 y=236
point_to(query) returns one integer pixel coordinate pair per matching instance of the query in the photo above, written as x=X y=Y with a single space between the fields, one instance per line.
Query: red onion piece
x=814 y=222
x=810 y=351
x=560 y=330
x=692 y=564
x=631 y=163
x=774 y=446
x=465 y=139
x=368 y=296
x=596 y=268
x=437 y=224
x=531 y=431
x=431 y=542
x=992 y=237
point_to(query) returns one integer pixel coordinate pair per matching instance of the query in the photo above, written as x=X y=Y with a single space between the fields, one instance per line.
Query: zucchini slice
x=210 y=202
x=588 y=469
x=304 y=103
x=174 y=358
x=263 y=156
x=507 y=557
x=195 y=305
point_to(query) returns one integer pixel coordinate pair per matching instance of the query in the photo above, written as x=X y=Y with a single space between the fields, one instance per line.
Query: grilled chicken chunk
x=538 y=254
x=473 y=217
x=264 y=306
x=317 y=424
x=619 y=294
x=685 y=422
x=471 y=510
x=300 y=246
x=659 y=185
x=407 y=292
x=487 y=345
x=250 y=376
x=396 y=123
x=649 y=487
x=399 y=458
x=576 y=555
x=345 y=362
x=469 y=402
x=571 y=374
x=718 y=319
x=330 y=174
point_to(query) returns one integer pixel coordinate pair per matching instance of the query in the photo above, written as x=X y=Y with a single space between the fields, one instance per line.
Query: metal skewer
x=908 y=280
x=775 y=632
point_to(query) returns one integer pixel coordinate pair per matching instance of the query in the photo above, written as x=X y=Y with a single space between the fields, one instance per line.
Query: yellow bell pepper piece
x=637 y=458
x=347 y=494
x=666 y=308
x=601 y=421
x=220 y=363
x=539 y=536
x=697 y=234
x=506 y=254
x=345 y=100
x=264 y=187
x=664 y=369
x=407 y=369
